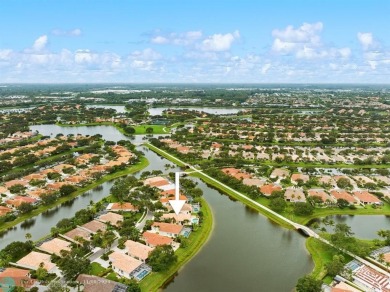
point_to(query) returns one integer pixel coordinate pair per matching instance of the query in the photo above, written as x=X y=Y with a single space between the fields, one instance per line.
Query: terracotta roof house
x=342 y=194
x=18 y=200
x=76 y=179
x=61 y=166
x=121 y=207
x=94 y=226
x=387 y=257
x=37 y=193
x=34 y=259
x=166 y=229
x=38 y=176
x=138 y=250
x=20 y=278
x=320 y=193
x=300 y=176
x=343 y=287
x=327 y=179
x=3 y=190
x=56 y=186
x=14 y=182
x=93 y=283
x=280 y=172
x=294 y=195
x=156 y=181
x=48 y=170
x=180 y=218
x=254 y=182
x=153 y=239
x=267 y=190
x=55 y=246
x=366 y=198
x=112 y=218
x=4 y=210
x=123 y=264
x=230 y=170
x=77 y=232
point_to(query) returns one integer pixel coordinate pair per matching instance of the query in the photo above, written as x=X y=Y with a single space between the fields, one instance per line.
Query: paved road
x=149 y=216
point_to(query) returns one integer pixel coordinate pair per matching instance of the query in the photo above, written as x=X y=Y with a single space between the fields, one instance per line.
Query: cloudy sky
x=195 y=41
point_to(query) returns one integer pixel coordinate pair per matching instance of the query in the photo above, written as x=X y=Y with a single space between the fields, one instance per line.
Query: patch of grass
x=113 y=277
x=96 y=269
x=134 y=168
x=157 y=129
x=197 y=239
x=321 y=254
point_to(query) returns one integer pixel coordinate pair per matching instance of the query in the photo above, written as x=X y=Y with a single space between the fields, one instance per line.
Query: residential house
x=267 y=189
x=280 y=173
x=77 y=233
x=20 y=278
x=138 y=250
x=123 y=264
x=153 y=239
x=34 y=259
x=343 y=194
x=366 y=198
x=4 y=210
x=325 y=197
x=112 y=218
x=299 y=176
x=93 y=283
x=167 y=229
x=294 y=195
x=94 y=226
x=55 y=246
x=126 y=207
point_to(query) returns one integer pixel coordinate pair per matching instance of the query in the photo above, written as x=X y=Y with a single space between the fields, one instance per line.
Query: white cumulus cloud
x=290 y=38
x=40 y=43
x=366 y=39
x=220 y=42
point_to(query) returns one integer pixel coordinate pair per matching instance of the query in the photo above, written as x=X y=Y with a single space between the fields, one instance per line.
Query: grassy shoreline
x=156 y=281
x=139 y=130
x=134 y=168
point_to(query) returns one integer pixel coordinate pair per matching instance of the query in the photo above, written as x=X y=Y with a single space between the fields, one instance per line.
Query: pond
x=363 y=226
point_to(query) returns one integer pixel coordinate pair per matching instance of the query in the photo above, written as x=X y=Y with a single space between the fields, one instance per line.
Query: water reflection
x=50 y=213
x=27 y=224
x=364 y=226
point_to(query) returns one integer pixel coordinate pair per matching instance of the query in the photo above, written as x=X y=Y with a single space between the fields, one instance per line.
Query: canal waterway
x=246 y=251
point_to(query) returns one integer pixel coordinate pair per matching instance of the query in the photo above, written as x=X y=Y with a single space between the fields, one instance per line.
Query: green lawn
x=321 y=254
x=134 y=168
x=197 y=239
x=96 y=269
x=157 y=129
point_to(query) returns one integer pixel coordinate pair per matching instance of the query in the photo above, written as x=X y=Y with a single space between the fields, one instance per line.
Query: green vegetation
x=322 y=255
x=42 y=208
x=197 y=239
x=308 y=284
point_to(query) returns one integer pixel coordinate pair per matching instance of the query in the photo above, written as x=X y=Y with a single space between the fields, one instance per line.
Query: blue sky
x=299 y=41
